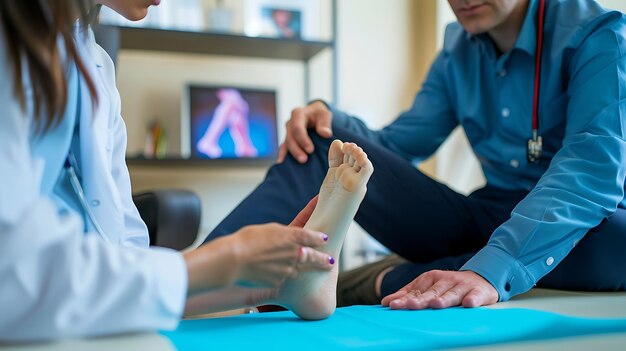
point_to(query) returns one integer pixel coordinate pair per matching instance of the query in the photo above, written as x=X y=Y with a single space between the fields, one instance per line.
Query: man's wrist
x=506 y=274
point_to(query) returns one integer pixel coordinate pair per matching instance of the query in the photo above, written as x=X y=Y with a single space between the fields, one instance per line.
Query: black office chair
x=172 y=216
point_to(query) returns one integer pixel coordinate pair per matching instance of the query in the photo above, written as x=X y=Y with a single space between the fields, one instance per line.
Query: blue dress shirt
x=580 y=180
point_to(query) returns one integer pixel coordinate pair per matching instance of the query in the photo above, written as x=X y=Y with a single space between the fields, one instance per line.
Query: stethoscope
x=70 y=166
x=535 y=146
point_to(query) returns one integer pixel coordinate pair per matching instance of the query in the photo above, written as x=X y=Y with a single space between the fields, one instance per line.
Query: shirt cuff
x=170 y=272
x=507 y=275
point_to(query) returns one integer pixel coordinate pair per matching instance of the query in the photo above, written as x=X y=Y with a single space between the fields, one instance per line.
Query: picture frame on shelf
x=289 y=19
x=228 y=122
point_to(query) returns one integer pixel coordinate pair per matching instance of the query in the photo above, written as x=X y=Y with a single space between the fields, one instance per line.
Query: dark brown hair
x=32 y=30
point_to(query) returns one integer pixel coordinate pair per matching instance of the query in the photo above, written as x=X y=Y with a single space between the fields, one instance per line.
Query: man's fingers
x=301 y=137
x=282 y=152
x=419 y=285
x=427 y=296
x=294 y=148
x=398 y=294
x=298 y=127
x=305 y=214
x=479 y=297
x=473 y=299
x=425 y=281
x=452 y=297
x=323 y=120
x=298 y=142
x=402 y=302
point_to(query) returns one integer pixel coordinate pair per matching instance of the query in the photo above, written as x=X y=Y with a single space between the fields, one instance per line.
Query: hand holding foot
x=256 y=256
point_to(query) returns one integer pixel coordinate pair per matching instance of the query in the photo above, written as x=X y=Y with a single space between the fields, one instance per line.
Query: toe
x=361 y=159
x=335 y=153
x=351 y=160
x=354 y=157
x=348 y=148
x=363 y=164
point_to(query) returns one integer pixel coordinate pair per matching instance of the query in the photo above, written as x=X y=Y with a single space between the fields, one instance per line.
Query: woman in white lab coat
x=63 y=271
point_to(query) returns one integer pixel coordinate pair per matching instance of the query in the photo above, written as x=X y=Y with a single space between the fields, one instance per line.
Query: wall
x=619 y=5
x=384 y=50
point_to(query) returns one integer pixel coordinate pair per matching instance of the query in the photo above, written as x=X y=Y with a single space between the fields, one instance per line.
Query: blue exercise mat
x=379 y=328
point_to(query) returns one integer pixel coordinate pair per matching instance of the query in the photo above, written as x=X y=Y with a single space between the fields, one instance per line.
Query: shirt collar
x=527 y=39
x=85 y=38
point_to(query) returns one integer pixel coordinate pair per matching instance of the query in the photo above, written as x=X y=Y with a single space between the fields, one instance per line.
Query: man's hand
x=297 y=142
x=443 y=289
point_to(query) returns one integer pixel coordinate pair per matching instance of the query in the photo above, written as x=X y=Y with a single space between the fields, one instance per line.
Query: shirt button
x=514 y=163
x=506 y=112
x=95 y=203
x=502 y=73
x=549 y=261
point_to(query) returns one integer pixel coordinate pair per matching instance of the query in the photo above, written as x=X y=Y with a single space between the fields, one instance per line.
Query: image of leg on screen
x=231 y=114
x=310 y=295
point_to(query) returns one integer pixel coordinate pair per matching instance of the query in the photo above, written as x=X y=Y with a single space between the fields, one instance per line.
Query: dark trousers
x=424 y=221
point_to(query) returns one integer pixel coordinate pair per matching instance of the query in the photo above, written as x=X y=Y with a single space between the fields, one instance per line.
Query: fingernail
x=331 y=260
x=302 y=159
x=325 y=237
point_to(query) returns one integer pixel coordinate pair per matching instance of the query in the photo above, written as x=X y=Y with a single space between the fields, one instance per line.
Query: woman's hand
x=270 y=253
x=258 y=255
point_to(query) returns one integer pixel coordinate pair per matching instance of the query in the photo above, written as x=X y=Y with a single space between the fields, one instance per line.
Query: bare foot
x=312 y=295
x=208 y=148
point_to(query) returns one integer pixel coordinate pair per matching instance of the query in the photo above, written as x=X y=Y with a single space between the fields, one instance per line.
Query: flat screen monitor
x=226 y=122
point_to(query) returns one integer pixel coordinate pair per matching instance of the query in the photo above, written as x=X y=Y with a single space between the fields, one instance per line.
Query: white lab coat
x=55 y=280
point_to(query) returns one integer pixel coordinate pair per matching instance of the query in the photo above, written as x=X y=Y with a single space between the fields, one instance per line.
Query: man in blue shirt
x=557 y=223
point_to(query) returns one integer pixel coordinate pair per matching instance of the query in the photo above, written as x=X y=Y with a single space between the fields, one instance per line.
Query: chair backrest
x=172 y=216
